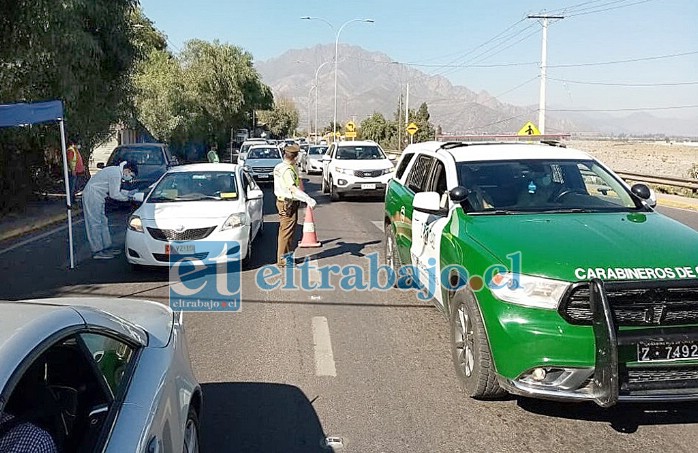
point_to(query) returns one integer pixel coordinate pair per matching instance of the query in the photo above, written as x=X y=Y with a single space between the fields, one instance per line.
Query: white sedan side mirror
x=255 y=194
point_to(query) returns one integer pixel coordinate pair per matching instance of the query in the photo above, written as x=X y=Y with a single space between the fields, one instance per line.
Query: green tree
x=282 y=120
x=200 y=95
x=421 y=119
x=376 y=128
x=80 y=52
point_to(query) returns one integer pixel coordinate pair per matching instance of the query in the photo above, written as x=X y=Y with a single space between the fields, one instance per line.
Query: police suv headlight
x=344 y=171
x=234 y=221
x=135 y=224
x=527 y=290
x=388 y=170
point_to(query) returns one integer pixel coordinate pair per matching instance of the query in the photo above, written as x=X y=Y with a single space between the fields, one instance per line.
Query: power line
x=679 y=107
x=635 y=85
x=633 y=60
x=609 y=9
x=516 y=87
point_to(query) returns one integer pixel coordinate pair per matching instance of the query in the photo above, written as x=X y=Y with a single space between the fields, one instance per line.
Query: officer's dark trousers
x=288 y=221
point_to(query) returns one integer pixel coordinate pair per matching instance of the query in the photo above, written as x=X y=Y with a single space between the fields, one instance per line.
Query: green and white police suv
x=559 y=280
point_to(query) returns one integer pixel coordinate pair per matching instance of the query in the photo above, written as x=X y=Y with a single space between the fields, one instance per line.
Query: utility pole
x=399 y=118
x=407 y=107
x=543 y=70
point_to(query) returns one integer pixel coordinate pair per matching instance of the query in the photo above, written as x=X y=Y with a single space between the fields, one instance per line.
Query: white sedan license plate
x=173 y=249
x=368 y=186
x=263 y=176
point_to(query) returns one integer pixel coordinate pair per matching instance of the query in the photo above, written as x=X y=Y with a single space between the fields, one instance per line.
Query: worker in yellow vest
x=76 y=169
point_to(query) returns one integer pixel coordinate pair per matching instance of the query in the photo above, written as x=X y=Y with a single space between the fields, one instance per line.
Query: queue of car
x=558 y=280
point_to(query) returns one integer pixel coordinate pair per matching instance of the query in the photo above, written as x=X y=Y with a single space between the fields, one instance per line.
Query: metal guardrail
x=662 y=180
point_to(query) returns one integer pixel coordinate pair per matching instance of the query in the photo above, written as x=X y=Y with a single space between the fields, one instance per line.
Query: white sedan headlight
x=234 y=221
x=388 y=170
x=345 y=171
x=135 y=224
x=528 y=291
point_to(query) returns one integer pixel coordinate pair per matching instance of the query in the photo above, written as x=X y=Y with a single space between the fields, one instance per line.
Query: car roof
x=493 y=151
x=357 y=143
x=203 y=167
x=141 y=145
x=262 y=145
x=26 y=324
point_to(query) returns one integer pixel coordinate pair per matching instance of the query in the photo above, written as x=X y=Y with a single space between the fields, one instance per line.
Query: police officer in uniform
x=288 y=198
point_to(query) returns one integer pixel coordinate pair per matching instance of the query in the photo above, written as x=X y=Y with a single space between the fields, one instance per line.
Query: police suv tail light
x=135 y=224
x=234 y=221
x=528 y=291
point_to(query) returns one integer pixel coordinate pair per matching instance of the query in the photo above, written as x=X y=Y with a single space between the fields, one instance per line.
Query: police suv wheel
x=392 y=256
x=471 y=349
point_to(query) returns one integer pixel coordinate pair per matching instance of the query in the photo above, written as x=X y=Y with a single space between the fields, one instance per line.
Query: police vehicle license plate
x=173 y=249
x=368 y=186
x=263 y=176
x=683 y=350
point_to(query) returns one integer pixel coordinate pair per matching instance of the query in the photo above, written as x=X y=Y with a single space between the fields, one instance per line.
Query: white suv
x=356 y=167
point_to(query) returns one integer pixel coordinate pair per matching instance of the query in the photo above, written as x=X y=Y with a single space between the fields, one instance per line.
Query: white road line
x=41 y=236
x=378 y=224
x=314 y=273
x=324 y=359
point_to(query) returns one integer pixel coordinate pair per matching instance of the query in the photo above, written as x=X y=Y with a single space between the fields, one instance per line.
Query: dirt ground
x=649 y=158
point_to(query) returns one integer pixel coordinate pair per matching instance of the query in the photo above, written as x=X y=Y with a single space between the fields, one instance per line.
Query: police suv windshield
x=542 y=186
x=195 y=186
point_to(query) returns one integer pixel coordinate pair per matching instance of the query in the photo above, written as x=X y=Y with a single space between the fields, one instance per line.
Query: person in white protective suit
x=106 y=183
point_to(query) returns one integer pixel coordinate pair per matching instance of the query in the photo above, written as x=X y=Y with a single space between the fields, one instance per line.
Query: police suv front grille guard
x=605 y=385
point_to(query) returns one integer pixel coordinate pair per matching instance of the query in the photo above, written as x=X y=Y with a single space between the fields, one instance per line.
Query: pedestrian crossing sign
x=528 y=129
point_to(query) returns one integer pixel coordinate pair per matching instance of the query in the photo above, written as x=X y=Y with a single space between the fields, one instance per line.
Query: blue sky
x=615 y=55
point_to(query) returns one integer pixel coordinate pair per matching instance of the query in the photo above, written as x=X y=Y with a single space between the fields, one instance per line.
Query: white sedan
x=192 y=203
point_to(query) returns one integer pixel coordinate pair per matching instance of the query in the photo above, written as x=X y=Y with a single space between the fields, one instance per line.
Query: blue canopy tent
x=22 y=114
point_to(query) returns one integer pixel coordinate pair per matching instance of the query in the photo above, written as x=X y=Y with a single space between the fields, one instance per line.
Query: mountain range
x=369 y=82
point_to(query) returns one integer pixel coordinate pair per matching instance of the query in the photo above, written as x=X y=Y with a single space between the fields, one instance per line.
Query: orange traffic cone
x=309 y=234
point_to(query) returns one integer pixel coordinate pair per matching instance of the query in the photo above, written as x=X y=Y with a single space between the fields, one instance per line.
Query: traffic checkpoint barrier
x=309 y=235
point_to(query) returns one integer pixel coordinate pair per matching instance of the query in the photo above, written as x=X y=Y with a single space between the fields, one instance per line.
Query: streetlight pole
x=317 y=71
x=336 y=59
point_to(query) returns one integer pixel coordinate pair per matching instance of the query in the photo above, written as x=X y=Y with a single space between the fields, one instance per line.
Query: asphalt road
x=372 y=369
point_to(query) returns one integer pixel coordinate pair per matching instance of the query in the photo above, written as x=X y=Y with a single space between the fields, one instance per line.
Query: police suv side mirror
x=458 y=194
x=644 y=193
x=428 y=202
x=138 y=197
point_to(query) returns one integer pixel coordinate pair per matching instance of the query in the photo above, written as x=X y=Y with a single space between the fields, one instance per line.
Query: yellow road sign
x=350 y=127
x=528 y=129
x=350 y=134
x=412 y=128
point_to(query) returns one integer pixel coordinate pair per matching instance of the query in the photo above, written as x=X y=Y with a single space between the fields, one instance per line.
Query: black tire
x=192 y=421
x=471 y=355
x=248 y=258
x=334 y=196
x=392 y=255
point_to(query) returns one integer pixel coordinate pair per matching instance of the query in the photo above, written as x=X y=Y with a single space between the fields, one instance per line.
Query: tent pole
x=67 y=194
